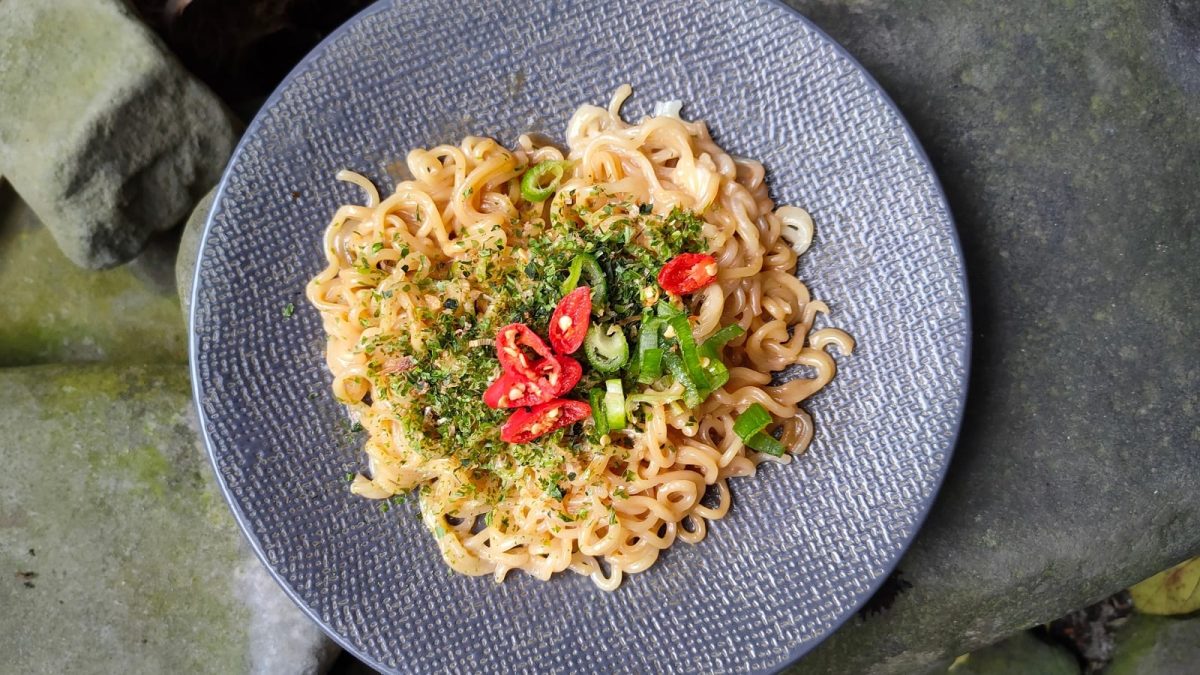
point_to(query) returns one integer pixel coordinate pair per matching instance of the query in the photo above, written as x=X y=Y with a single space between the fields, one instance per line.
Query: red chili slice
x=570 y=376
x=512 y=390
x=569 y=323
x=527 y=424
x=560 y=374
x=510 y=340
x=688 y=273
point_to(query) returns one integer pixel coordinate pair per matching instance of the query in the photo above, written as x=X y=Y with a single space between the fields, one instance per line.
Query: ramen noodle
x=566 y=355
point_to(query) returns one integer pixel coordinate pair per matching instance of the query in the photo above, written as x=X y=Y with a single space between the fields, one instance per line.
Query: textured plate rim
x=852 y=608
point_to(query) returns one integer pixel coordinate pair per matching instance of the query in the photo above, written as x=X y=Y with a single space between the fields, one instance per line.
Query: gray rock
x=102 y=132
x=1157 y=645
x=1068 y=140
x=54 y=312
x=117 y=553
x=189 y=248
x=1021 y=654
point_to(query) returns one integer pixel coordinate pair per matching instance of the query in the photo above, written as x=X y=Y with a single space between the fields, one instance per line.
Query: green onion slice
x=614 y=404
x=688 y=351
x=712 y=346
x=596 y=399
x=752 y=421
x=766 y=443
x=751 y=427
x=718 y=375
x=648 y=364
x=691 y=392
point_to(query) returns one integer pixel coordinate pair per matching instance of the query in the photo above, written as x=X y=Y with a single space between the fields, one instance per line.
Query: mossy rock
x=1157 y=645
x=1022 y=653
x=56 y=312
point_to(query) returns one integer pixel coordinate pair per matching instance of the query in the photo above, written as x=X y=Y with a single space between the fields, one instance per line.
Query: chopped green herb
x=289 y=309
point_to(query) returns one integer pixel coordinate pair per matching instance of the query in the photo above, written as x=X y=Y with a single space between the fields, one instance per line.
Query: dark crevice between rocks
x=1090 y=632
x=242 y=50
x=886 y=596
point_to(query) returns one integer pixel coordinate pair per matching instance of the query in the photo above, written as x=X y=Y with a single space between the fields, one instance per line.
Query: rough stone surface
x=189 y=248
x=117 y=554
x=1021 y=654
x=102 y=131
x=1156 y=645
x=1067 y=135
x=53 y=311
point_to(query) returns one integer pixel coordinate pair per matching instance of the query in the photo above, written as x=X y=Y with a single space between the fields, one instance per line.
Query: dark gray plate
x=804 y=545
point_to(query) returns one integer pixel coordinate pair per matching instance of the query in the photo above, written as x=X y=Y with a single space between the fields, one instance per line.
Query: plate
x=804 y=545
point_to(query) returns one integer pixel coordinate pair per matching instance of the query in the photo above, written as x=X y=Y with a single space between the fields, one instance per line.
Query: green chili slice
x=606 y=348
x=533 y=185
x=585 y=265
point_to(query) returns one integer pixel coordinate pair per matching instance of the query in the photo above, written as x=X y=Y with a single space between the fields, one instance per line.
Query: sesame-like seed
x=564 y=323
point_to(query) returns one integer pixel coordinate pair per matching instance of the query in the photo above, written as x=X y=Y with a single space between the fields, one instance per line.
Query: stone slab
x=1067 y=136
x=117 y=553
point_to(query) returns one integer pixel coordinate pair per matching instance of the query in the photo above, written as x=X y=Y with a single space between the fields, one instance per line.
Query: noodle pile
x=417 y=283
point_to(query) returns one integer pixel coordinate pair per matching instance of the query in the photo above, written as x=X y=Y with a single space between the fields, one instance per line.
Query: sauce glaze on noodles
x=603 y=506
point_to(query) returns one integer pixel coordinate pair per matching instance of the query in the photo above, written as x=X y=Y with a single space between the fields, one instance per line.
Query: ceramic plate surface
x=804 y=545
